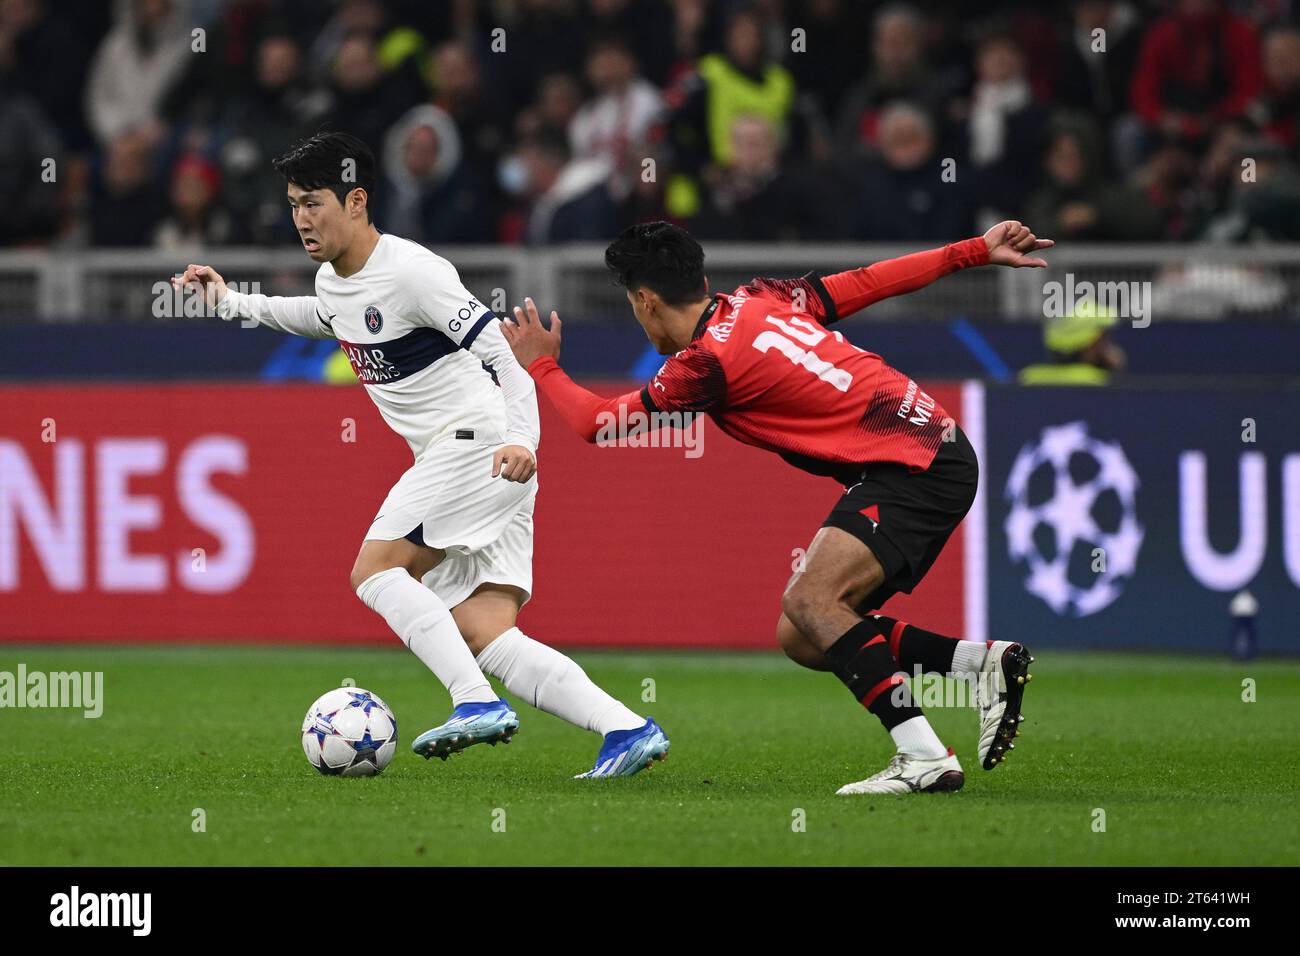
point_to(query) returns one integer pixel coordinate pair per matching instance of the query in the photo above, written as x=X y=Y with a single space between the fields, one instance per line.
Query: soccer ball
x=349 y=732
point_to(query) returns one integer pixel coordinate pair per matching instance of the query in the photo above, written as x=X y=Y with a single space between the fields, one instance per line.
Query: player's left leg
x=486 y=587
x=386 y=578
x=821 y=601
x=537 y=672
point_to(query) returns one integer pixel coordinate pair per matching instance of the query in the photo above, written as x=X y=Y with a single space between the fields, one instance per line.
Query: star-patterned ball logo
x=1070 y=495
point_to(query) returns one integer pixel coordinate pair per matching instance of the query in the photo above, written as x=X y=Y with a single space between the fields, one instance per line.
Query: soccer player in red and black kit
x=764 y=364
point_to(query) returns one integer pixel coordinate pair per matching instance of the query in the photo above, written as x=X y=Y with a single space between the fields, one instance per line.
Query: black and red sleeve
x=690 y=381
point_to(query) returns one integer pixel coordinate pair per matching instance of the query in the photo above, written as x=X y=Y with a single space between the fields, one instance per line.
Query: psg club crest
x=374 y=321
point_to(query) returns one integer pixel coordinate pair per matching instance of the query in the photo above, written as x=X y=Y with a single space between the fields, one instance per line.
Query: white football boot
x=908 y=773
x=999 y=693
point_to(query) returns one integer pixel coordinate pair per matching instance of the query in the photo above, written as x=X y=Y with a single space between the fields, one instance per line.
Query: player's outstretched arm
x=537 y=349
x=297 y=315
x=1009 y=243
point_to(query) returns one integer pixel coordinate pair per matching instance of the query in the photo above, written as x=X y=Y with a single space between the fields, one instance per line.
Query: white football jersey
x=430 y=354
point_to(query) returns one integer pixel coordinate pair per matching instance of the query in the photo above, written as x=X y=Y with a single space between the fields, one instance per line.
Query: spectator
x=898 y=71
x=144 y=53
x=366 y=101
x=429 y=194
x=1265 y=207
x=280 y=108
x=1005 y=127
x=196 y=219
x=833 y=33
x=754 y=198
x=569 y=199
x=738 y=81
x=1094 y=80
x=1166 y=181
x=126 y=207
x=458 y=90
x=1198 y=65
x=1277 y=108
x=27 y=139
x=903 y=195
x=48 y=57
x=645 y=22
x=541 y=38
x=559 y=97
x=1077 y=201
x=614 y=125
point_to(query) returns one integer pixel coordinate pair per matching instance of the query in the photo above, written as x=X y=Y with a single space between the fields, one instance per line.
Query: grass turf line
x=1186 y=772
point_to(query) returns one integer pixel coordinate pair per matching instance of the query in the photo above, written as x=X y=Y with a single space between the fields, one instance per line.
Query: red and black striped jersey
x=764 y=365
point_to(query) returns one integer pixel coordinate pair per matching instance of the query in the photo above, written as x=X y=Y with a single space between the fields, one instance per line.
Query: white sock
x=968 y=657
x=551 y=682
x=915 y=736
x=424 y=624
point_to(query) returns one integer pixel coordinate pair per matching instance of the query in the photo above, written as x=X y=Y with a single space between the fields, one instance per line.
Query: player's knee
x=802 y=603
x=371 y=562
x=798 y=648
x=361 y=572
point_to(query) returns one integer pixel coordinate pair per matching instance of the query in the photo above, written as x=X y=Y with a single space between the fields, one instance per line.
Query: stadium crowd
x=543 y=121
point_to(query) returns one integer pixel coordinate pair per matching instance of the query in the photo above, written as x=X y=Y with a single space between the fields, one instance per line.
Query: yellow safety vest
x=733 y=94
x=1076 y=373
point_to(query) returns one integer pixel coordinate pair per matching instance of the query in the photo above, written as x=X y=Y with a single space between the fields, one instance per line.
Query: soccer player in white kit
x=448 y=560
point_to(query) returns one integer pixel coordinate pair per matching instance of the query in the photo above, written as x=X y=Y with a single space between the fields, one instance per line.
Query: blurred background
x=1157 y=142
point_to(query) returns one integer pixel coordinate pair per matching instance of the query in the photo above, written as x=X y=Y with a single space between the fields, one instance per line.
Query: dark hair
x=549 y=144
x=661 y=257
x=318 y=162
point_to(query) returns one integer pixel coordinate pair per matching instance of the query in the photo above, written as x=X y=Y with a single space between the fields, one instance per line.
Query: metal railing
x=1184 y=281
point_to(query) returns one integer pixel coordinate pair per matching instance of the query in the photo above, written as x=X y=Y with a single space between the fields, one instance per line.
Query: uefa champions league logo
x=1072 y=521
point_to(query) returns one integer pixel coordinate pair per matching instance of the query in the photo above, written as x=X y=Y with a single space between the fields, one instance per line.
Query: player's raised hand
x=1009 y=242
x=205 y=278
x=528 y=338
x=514 y=463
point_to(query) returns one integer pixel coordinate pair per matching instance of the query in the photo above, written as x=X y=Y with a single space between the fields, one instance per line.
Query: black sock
x=861 y=659
x=914 y=648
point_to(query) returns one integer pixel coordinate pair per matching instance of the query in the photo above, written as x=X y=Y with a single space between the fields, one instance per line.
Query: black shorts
x=906 y=517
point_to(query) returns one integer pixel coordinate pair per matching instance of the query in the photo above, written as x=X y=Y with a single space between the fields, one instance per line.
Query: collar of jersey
x=706 y=315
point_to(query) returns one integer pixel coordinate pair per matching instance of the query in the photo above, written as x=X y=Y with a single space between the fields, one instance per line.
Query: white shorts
x=484 y=524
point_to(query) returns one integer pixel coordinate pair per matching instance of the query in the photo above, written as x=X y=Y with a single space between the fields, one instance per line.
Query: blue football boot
x=469 y=724
x=626 y=752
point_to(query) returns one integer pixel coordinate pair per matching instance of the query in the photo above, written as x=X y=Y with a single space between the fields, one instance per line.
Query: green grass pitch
x=1185 y=771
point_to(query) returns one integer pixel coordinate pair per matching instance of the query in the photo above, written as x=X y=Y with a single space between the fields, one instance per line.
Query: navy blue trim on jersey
x=381 y=363
x=472 y=334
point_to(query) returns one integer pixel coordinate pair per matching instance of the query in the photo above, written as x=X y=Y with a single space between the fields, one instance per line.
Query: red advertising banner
x=210 y=513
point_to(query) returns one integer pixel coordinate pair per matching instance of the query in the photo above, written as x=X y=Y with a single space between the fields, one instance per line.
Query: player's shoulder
x=736 y=315
x=407 y=252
